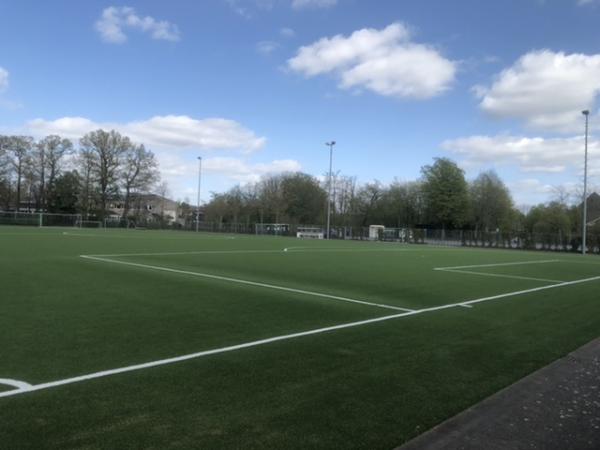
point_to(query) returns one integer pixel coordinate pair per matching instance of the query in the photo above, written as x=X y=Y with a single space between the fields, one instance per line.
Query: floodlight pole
x=198 y=200
x=330 y=145
x=586 y=113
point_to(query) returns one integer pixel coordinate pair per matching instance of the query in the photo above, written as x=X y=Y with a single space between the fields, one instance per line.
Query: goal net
x=310 y=233
x=38 y=219
x=88 y=224
x=273 y=229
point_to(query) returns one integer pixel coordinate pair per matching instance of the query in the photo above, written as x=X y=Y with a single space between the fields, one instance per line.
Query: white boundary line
x=519 y=263
x=20 y=385
x=162 y=362
x=498 y=275
x=285 y=250
x=245 y=282
x=195 y=252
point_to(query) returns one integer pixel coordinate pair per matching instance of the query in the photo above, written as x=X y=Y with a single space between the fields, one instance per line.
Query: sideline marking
x=20 y=385
x=217 y=252
x=519 y=263
x=162 y=362
x=498 y=275
x=246 y=282
x=138 y=236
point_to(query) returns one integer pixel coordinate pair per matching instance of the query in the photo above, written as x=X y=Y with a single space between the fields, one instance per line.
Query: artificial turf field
x=182 y=340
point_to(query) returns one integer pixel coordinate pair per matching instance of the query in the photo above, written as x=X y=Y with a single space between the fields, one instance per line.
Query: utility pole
x=330 y=145
x=586 y=113
x=198 y=201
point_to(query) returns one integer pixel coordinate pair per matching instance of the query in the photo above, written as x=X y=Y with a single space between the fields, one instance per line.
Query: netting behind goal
x=88 y=224
x=39 y=219
x=310 y=233
x=272 y=229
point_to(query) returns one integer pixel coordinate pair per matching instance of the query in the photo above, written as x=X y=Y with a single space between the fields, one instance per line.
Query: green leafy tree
x=304 y=198
x=445 y=193
x=64 y=197
x=491 y=203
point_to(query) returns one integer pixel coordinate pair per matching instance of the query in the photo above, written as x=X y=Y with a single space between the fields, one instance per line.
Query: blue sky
x=258 y=86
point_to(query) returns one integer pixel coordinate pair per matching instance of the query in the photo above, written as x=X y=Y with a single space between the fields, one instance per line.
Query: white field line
x=518 y=263
x=217 y=252
x=196 y=252
x=137 y=236
x=352 y=250
x=162 y=362
x=246 y=282
x=591 y=263
x=15 y=383
x=497 y=275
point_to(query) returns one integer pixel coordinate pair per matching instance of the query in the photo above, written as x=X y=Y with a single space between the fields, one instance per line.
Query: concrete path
x=557 y=407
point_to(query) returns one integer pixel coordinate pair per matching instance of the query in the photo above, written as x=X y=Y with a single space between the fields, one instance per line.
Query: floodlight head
x=585 y=112
x=330 y=143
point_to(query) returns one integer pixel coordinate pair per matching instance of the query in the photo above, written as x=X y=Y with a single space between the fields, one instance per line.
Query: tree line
x=441 y=199
x=54 y=175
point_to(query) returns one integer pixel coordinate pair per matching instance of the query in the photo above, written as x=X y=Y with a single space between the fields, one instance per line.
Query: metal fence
x=557 y=242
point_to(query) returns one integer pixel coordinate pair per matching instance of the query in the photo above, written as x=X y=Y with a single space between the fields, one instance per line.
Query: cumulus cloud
x=306 y=4
x=383 y=61
x=181 y=173
x=267 y=47
x=170 y=131
x=116 y=19
x=546 y=90
x=536 y=154
x=3 y=79
x=287 y=32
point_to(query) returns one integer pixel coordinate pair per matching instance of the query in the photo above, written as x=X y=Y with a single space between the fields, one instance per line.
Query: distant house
x=147 y=207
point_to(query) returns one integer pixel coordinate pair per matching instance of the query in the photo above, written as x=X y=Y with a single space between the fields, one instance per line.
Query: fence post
x=41 y=220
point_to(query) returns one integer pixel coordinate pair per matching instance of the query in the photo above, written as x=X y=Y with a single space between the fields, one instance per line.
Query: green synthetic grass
x=372 y=386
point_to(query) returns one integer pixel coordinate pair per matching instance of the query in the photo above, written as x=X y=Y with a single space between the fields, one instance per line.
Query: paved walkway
x=557 y=407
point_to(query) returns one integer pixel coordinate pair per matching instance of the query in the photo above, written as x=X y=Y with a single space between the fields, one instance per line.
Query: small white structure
x=375 y=232
x=310 y=233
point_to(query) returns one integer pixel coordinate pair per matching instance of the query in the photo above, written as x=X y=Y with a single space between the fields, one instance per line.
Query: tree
x=106 y=150
x=138 y=173
x=445 y=192
x=85 y=163
x=270 y=198
x=304 y=198
x=491 y=203
x=46 y=164
x=65 y=194
x=19 y=148
x=5 y=181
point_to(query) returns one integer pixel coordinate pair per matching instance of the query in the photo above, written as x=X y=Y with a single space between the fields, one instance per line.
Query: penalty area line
x=105 y=373
x=246 y=282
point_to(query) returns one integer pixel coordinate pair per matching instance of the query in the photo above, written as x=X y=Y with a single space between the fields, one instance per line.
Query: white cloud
x=545 y=89
x=115 y=19
x=175 y=132
x=237 y=169
x=384 y=61
x=3 y=79
x=244 y=172
x=287 y=32
x=224 y=172
x=306 y=4
x=267 y=47
x=527 y=154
